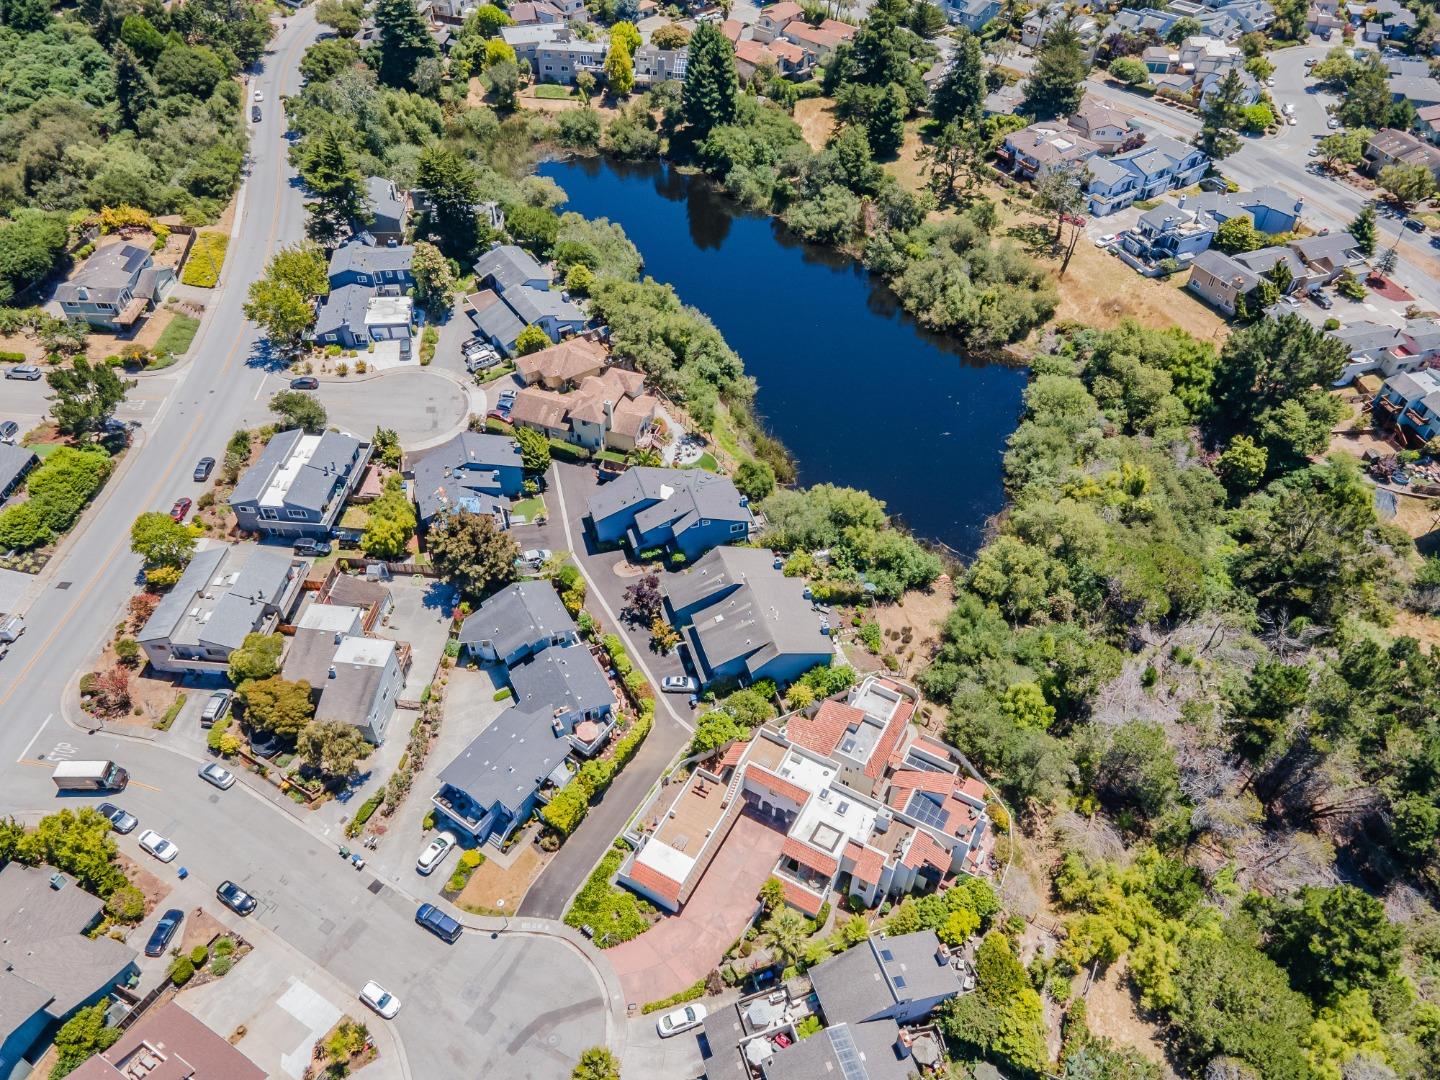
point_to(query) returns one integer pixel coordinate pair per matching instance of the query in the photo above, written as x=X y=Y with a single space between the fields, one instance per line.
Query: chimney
x=609 y=414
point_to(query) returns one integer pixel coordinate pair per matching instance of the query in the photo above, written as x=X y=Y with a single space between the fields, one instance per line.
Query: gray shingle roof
x=760 y=623
x=871 y=977
x=510 y=266
x=512 y=269
x=873 y=1046
x=524 y=613
x=106 y=274
x=313 y=482
x=343 y=308
x=464 y=466
x=508 y=761
x=559 y=679
x=14 y=462
x=370 y=258
x=262 y=575
x=680 y=497
x=720 y=570
x=384 y=198
x=1364 y=336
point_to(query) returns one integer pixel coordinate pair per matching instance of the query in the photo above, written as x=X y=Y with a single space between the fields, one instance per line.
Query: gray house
x=689 y=510
x=362 y=685
x=226 y=592
x=518 y=621
x=514 y=292
x=367 y=301
x=902 y=979
x=745 y=620
x=15 y=464
x=389 y=209
x=116 y=286
x=873 y=1051
x=299 y=485
x=49 y=968
x=474 y=472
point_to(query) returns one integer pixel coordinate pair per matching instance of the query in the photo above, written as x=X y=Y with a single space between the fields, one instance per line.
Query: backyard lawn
x=529 y=508
x=551 y=91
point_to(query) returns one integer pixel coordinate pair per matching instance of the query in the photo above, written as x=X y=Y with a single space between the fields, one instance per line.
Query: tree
x=755 y=479
x=962 y=90
x=772 y=894
x=26 y=16
x=160 y=540
x=1364 y=231
x=709 y=98
x=332 y=748
x=1221 y=117
x=470 y=552
x=326 y=59
x=1334 y=939
x=391 y=522
x=585 y=88
x=1346 y=147
x=82 y=1037
x=85 y=396
x=1268 y=363
x=1386 y=263
x=404 y=42
x=79 y=843
x=342 y=16
x=532 y=339
x=276 y=705
x=298 y=409
x=787 y=930
x=885 y=124
x=619 y=71
x=1407 y=183
x=337 y=185
x=1242 y=466
x=1182 y=29
x=257 y=658
x=452 y=187
x=596 y=1063
x=534 y=449
x=488 y=20
x=126 y=904
x=283 y=301
x=644 y=600
x=1238 y=235
x=1062 y=192
x=31 y=248
x=1057 y=82
x=1129 y=70
x=714 y=730
x=670 y=36
x=134 y=90
x=623 y=35
x=434 y=279
x=1004 y=1016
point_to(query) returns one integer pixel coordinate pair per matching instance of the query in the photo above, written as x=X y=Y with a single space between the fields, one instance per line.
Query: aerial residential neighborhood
x=566 y=539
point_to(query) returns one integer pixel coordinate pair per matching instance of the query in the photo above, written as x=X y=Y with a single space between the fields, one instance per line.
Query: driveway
x=421 y=616
x=684 y=948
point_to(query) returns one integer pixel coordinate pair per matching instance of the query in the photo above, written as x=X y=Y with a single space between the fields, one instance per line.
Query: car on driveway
x=1414 y=224
x=235 y=898
x=435 y=852
x=216 y=707
x=1106 y=240
x=307 y=382
x=684 y=1019
x=218 y=775
x=380 y=999
x=180 y=509
x=164 y=931
x=1333 y=124
x=202 y=468
x=679 y=684
x=119 y=820
x=309 y=546
x=9 y=431
x=155 y=844
x=264 y=744
x=534 y=558
x=1321 y=298
x=438 y=923
x=23 y=371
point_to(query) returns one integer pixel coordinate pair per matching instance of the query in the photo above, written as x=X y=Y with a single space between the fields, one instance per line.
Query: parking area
x=417 y=404
x=682 y=949
x=421 y=617
x=649 y=1057
x=25 y=401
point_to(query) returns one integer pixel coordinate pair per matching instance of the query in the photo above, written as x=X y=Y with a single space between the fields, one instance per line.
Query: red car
x=180 y=509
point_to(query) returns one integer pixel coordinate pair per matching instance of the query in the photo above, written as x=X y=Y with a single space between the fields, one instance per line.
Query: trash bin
x=183 y=873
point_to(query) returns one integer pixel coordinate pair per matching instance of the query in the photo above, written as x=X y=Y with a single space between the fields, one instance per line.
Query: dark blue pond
x=859 y=393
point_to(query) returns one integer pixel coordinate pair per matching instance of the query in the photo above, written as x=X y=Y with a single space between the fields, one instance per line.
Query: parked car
x=438 y=923
x=479 y=361
x=679 y=684
x=264 y=744
x=180 y=509
x=1414 y=224
x=259 y=95
x=306 y=382
x=435 y=852
x=119 y=820
x=9 y=431
x=380 y=999
x=1288 y=109
x=155 y=844
x=309 y=546
x=235 y=898
x=1311 y=61
x=682 y=1019
x=1333 y=124
x=164 y=931
x=1323 y=299
x=535 y=557
x=255 y=114
x=218 y=775
x=23 y=371
x=1106 y=240
x=203 y=468
x=216 y=707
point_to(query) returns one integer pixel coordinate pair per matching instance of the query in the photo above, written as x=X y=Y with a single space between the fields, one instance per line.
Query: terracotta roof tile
x=800 y=897
x=806 y=855
x=875 y=767
x=823 y=731
x=925 y=850
x=733 y=753
x=780 y=786
x=974 y=789
x=868 y=863
x=656 y=882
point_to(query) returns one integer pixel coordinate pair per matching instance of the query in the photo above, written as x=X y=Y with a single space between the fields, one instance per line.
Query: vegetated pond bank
x=860 y=393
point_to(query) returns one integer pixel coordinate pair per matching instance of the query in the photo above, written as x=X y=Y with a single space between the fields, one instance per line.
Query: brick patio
x=682 y=949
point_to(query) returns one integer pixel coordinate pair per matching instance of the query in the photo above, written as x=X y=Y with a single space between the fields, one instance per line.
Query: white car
x=679 y=684
x=685 y=1019
x=152 y=842
x=535 y=557
x=1288 y=108
x=1270 y=81
x=1106 y=240
x=259 y=95
x=380 y=999
x=1333 y=124
x=435 y=854
x=218 y=775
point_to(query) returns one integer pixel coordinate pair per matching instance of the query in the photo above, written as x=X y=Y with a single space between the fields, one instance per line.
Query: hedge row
x=690 y=993
x=568 y=808
x=58 y=490
x=612 y=914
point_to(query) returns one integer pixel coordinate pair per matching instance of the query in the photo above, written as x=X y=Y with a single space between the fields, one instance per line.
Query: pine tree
x=338 y=188
x=710 y=84
x=1364 y=231
x=1057 y=84
x=134 y=92
x=453 y=190
x=960 y=93
x=1221 y=116
x=404 y=41
x=885 y=126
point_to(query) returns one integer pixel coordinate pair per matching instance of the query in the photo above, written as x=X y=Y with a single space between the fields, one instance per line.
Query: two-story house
x=686 y=510
x=973 y=15
x=516 y=623
x=513 y=292
x=115 y=287
x=1154 y=168
x=367 y=301
x=1038 y=23
x=1039 y=149
x=1410 y=403
x=654 y=65
x=1220 y=280
x=1106 y=126
x=299 y=484
x=610 y=410
x=226 y=592
x=563 y=61
x=1372 y=346
x=1170 y=231
x=389 y=207
x=472 y=472
x=1391 y=147
x=775 y=18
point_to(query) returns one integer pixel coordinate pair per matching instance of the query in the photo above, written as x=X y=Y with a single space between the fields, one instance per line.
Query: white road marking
x=26 y=752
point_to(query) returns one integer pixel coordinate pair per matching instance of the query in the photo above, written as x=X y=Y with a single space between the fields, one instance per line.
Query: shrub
x=127 y=651
x=163 y=724
x=182 y=971
x=126 y=904
x=199 y=955
x=502 y=693
x=221 y=965
x=216 y=734
x=224 y=947
x=690 y=993
x=207 y=255
x=365 y=813
x=613 y=915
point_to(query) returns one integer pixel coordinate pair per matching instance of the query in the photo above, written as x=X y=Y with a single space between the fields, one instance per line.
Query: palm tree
x=788 y=930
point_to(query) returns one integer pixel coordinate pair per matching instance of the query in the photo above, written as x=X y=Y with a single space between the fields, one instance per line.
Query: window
x=295 y=515
x=268 y=513
x=887 y=956
x=738 y=528
x=244 y=509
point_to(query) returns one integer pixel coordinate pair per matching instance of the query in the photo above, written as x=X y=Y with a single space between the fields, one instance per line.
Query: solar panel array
x=927 y=809
x=850 y=1064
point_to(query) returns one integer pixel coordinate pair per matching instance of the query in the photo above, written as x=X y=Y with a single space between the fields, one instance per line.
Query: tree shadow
x=267 y=358
x=1036 y=238
x=440 y=596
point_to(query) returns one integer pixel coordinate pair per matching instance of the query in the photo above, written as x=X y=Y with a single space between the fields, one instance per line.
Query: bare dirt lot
x=492 y=883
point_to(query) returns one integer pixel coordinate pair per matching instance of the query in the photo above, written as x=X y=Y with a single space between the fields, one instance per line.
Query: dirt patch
x=911 y=629
x=527 y=100
x=1423 y=628
x=1100 y=290
x=1110 y=1011
x=155 y=890
x=200 y=929
x=491 y=883
x=816 y=117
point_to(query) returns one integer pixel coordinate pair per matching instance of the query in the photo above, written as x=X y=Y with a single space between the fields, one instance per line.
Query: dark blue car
x=164 y=931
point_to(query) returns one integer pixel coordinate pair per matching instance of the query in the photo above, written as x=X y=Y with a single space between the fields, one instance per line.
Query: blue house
x=688 y=510
x=1410 y=402
x=368 y=298
x=974 y=15
x=1160 y=165
x=473 y=472
x=513 y=292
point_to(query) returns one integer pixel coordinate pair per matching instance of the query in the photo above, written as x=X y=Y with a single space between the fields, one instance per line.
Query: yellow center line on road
x=165 y=477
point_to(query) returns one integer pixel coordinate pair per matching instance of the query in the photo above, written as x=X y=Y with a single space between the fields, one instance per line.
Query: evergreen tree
x=1221 y=116
x=404 y=42
x=885 y=126
x=710 y=84
x=960 y=93
x=134 y=92
x=1057 y=83
x=338 y=188
x=26 y=16
x=880 y=54
x=453 y=190
x=1364 y=231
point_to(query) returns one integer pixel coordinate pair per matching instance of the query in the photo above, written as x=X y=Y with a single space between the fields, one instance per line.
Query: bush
x=126 y=904
x=163 y=724
x=690 y=993
x=199 y=955
x=59 y=490
x=182 y=971
x=224 y=947
x=503 y=693
x=216 y=735
x=127 y=651
x=613 y=915
x=221 y=965
x=365 y=813
x=207 y=256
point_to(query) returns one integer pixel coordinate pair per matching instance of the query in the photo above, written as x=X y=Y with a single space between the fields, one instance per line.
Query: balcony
x=460 y=808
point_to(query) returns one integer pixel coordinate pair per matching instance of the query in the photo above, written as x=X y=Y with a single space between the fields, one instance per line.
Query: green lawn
x=207 y=255
x=552 y=91
x=530 y=508
x=707 y=462
x=175 y=339
x=45 y=449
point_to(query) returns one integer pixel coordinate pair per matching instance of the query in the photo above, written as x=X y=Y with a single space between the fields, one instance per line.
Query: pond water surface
x=859 y=393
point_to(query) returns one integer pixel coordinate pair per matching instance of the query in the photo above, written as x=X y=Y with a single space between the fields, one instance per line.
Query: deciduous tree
x=332 y=747
x=277 y=705
x=298 y=409
x=257 y=658
x=160 y=540
x=470 y=552
x=85 y=395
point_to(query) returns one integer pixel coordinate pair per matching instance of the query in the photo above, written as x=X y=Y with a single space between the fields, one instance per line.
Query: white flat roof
x=284 y=476
x=675 y=865
x=336 y=617
x=373 y=652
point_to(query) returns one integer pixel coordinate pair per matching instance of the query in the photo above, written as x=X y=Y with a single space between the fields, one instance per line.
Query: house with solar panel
x=115 y=287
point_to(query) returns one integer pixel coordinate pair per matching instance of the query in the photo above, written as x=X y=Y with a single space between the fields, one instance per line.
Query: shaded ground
x=1110 y=1011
